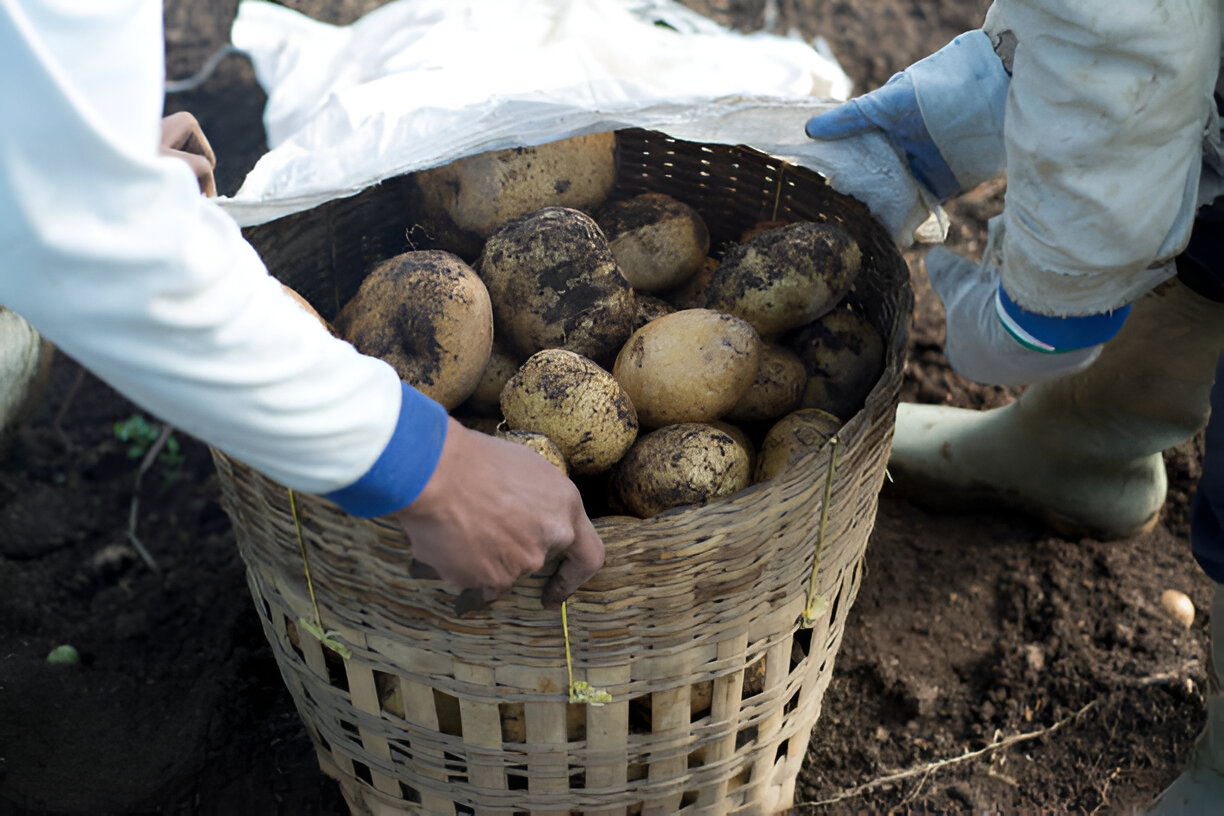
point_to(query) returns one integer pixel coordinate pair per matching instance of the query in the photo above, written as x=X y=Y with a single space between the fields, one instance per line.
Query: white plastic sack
x=419 y=83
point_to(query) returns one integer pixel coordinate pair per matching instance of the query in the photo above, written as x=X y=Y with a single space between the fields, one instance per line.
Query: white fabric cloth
x=1108 y=125
x=418 y=83
x=113 y=255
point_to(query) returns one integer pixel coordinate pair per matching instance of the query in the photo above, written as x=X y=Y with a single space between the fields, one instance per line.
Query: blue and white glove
x=943 y=115
x=992 y=340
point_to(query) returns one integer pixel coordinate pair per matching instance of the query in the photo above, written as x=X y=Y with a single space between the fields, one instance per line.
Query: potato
x=701 y=697
x=576 y=404
x=692 y=293
x=685 y=463
x=659 y=242
x=490 y=425
x=688 y=366
x=791 y=437
x=25 y=372
x=514 y=722
x=555 y=284
x=777 y=389
x=486 y=398
x=739 y=435
x=539 y=443
x=759 y=227
x=843 y=355
x=1178 y=606
x=785 y=277
x=480 y=193
x=306 y=307
x=648 y=308
x=428 y=314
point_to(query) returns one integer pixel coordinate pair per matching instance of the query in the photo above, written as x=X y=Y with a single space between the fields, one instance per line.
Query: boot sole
x=937 y=497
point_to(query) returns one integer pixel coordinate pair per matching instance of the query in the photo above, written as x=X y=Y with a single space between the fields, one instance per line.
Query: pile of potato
x=604 y=334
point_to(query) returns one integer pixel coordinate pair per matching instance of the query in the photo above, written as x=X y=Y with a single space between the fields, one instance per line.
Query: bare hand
x=495 y=511
x=183 y=138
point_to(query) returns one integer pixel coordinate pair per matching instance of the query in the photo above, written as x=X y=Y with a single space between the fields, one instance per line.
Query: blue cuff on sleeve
x=399 y=474
x=1053 y=335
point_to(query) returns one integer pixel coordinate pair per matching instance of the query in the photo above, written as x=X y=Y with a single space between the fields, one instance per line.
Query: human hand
x=183 y=138
x=978 y=345
x=494 y=511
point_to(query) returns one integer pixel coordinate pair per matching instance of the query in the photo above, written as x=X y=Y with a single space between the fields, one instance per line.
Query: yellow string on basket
x=327 y=637
x=580 y=691
x=817 y=606
x=778 y=193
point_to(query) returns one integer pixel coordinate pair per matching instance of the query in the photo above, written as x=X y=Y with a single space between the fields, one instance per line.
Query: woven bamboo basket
x=695 y=626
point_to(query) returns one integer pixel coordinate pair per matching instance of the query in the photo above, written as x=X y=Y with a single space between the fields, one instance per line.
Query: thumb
x=578 y=563
x=845 y=120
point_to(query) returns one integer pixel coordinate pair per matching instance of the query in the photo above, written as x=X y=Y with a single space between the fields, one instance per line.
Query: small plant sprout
x=142 y=437
x=64 y=655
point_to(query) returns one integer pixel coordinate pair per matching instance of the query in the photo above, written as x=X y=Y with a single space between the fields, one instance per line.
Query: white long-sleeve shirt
x=110 y=251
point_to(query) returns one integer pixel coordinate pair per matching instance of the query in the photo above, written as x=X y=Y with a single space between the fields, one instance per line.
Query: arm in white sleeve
x=1105 y=121
x=112 y=254
x=961 y=92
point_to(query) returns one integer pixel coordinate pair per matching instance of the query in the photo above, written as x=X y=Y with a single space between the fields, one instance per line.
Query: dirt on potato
x=987 y=664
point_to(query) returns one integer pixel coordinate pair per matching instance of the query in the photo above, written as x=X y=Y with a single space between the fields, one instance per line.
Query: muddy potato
x=785 y=277
x=685 y=463
x=659 y=242
x=777 y=389
x=688 y=366
x=554 y=283
x=754 y=679
x=701 y=697
x=759 y=227
x=390 y=695
x=486 y=398
x=576 y=404
x=648 y=308
x=843 y=356
x=428 y=314
x=490 y=425
x=741 y=436
x=692 y=293
x=791 y=437
x=25 y=372
x=539 y=443
x=480 y=193
x=513 y=718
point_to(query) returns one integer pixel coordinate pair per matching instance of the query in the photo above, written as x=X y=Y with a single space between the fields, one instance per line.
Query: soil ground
x=970 y=630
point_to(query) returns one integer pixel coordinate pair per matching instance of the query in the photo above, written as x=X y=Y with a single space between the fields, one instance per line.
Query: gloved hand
x=979 y=345
x=893 y=110
x=943 y=115
x=183 y=138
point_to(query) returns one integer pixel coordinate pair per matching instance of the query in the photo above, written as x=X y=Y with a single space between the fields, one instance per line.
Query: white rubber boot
x=25 y=364
x=1083 y=452
x=1199 y=791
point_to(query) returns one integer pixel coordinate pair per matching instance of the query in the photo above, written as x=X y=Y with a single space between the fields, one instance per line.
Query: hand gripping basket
x=695 y=626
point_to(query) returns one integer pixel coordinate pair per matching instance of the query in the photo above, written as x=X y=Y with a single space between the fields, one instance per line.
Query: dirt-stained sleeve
x=1105 y=120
